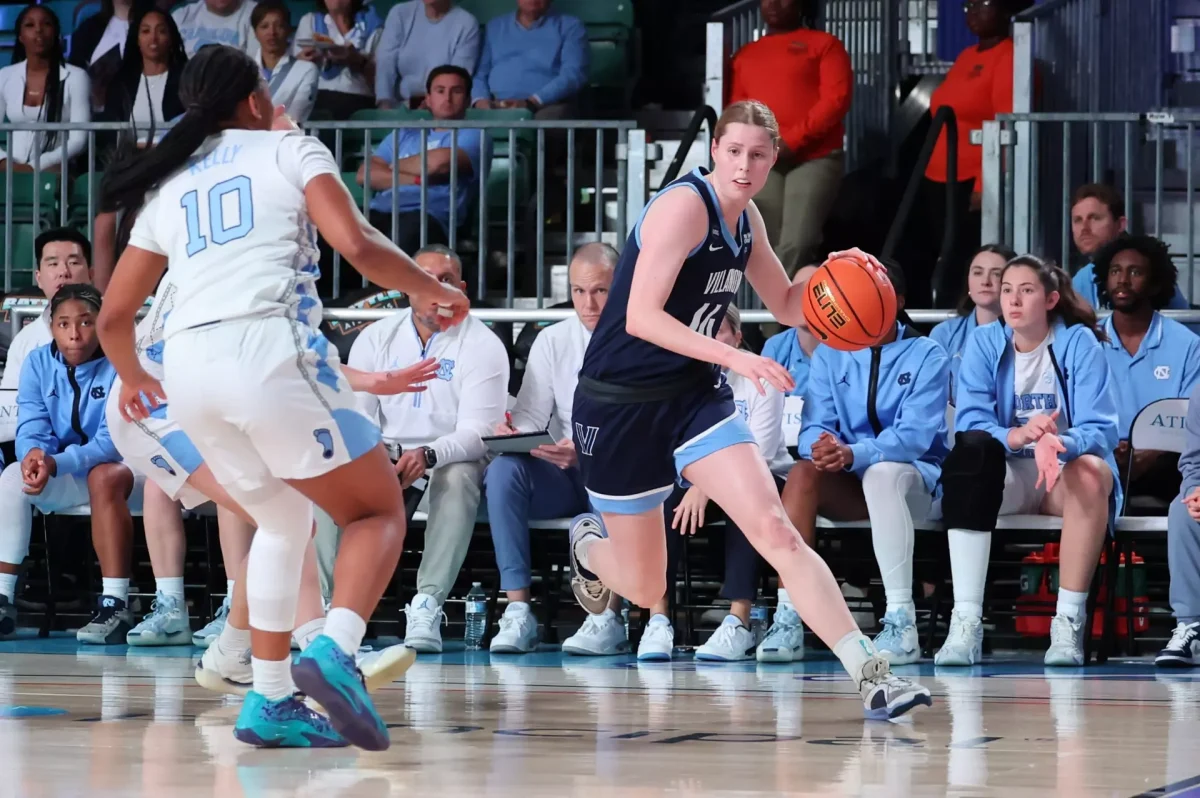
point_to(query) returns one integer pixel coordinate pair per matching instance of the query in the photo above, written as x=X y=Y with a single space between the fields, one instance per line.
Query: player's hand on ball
x=759 y=369
x=140 y=395
x=858 y=254
x=1045 y=454
x=689 y=514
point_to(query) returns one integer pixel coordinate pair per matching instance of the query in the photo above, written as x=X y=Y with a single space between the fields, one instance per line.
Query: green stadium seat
x=77 y=212
x=379 y=115
x=486 y=10
x=499 y=136
x=23 y=239
x=356 y=191
x=23 y=195
x=597 y=12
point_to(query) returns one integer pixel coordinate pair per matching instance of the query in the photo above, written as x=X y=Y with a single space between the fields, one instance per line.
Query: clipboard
x=521 y=443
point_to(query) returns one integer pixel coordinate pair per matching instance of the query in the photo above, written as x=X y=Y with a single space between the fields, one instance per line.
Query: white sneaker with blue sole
x=899 y=643
x=731 y=642
x=166 y=625
x=601 y=635
x=658 y=640
x=784 y=641
x=208 y=634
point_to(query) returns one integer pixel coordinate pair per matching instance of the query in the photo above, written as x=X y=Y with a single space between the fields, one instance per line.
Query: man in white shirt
x=64 y=256
x=547 y=483
x=440 y=431
x=216 y=22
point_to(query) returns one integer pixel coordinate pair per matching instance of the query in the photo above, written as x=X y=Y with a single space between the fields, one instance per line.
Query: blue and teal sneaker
x=326 y=674
x=286 y=723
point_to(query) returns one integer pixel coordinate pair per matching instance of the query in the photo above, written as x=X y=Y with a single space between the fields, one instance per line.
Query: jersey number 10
x=217 y=229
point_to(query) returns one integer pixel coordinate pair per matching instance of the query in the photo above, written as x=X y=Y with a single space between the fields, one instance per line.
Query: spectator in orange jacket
x=804 y=76
x=978 y=87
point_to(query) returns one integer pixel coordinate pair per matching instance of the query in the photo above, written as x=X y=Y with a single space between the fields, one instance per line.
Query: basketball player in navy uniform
x=652 y=403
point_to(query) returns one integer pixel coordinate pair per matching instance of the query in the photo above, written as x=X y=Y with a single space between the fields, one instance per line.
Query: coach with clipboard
x=536 y=475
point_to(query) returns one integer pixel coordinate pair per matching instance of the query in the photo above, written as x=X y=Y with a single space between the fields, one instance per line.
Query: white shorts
x=264 y=399
x=1020 y=495
x=156 y=449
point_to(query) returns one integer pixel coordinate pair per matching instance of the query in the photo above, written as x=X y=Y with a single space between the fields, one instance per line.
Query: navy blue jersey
x=706 y=284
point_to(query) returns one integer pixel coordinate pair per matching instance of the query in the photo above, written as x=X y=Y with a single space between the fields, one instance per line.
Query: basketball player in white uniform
x=233 y=207
x=158 y=449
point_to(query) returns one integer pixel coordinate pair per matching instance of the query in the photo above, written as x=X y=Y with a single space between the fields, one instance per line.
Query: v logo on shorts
x=586 y=438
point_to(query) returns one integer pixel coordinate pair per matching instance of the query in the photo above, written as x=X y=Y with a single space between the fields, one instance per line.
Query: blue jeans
x=521 y=488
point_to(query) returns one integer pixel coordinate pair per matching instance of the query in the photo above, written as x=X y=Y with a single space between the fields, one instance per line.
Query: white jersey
x=235 y=230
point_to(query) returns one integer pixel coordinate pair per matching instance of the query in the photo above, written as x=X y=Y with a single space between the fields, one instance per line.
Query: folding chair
x=1157 y=427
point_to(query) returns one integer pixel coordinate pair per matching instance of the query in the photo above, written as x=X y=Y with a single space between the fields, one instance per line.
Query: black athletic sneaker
x=109 y=626
x=1183 y=649
x=8 y=616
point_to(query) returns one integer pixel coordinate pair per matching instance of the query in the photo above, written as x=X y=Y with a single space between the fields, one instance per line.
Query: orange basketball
x=849 y=305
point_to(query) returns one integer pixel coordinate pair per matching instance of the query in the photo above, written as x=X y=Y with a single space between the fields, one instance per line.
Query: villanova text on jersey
x=708 y=281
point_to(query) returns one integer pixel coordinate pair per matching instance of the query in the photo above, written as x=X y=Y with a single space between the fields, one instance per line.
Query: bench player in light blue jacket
x=67 y=458
x=979 y=305
x=871 y=444
x=1035 y=428
x=1151 y=357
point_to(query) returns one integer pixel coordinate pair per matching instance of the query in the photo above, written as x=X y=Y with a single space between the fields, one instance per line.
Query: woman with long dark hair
x=979 y=304
x=1035 y=428
x=40 y=86
x=146 y=90
x=98 y=44
x=236 y=207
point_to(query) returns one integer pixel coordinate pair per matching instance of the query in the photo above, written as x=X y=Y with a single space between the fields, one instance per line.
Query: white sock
x=854 y=650
x=117 y=588
x=346 y=628
x=516 y=607
x=969 y=553
x=272 y=678
x=8 y=586
x=784 y=600
x=233 y=640
x=170 y=586
x=305 y=632
x=659 y=618
x=1071 y=603
x=229 y=590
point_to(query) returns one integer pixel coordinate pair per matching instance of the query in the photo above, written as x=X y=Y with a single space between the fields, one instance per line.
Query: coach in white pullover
x=440 y=430
x=548 y=484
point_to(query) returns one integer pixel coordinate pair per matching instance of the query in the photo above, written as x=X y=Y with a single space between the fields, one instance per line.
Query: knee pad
x=973 y=481
x=285 y=521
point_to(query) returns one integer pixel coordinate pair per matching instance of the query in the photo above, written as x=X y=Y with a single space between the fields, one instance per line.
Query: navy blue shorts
x=631 y=453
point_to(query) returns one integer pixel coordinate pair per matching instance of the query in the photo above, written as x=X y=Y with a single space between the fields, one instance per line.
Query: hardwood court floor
x=108 y=722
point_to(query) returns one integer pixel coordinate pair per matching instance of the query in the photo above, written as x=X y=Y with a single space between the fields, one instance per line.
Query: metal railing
x=568 y=163
x=1033 y=162
x=535 y=315
x=943 y=118
x=885 y=39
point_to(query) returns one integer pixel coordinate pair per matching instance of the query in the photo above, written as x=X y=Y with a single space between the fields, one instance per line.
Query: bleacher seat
x=24 y=235
x=23 y=194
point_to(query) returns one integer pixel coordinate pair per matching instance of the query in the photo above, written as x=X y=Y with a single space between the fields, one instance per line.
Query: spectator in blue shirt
x=534 y=58
x=1151 y=357
x=67 y=458
x=793 y=349
x=419 y=36
x=448 y=89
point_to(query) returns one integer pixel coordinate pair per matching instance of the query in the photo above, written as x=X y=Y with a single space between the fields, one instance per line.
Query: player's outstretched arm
x=768 y=277
x=134 y=278
x=370 y=252
x=675 y=225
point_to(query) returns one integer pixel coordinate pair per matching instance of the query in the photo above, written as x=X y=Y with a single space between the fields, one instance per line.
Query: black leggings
x=742 y=561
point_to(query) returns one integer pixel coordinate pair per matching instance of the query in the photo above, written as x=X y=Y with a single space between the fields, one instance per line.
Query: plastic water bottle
x=477 y=611
x=758 y=621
